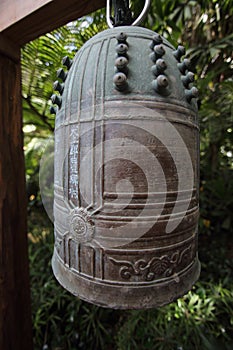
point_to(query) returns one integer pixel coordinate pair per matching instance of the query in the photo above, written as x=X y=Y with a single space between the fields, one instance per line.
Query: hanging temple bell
x=126 y=171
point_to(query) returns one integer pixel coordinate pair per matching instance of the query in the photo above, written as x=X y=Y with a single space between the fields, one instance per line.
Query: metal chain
x=122 y=13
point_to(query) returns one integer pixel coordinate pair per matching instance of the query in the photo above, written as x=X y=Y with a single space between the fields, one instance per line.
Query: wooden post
x=15 y=311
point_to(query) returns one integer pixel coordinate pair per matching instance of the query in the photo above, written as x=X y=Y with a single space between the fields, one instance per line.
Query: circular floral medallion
x=81 y=226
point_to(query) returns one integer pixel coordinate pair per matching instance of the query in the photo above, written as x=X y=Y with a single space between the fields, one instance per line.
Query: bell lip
x=124 y=297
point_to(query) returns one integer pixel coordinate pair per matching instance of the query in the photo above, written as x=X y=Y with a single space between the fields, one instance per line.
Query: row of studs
x=187 y=76
x=59 y=87
x=160 y=83
x=121 y=63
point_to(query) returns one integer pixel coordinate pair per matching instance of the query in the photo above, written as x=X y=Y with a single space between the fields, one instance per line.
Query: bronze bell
x=126 y=171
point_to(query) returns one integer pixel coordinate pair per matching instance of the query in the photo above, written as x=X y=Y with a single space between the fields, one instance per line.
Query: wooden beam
x=34 y=21
x=13 y=11
x=15 y=310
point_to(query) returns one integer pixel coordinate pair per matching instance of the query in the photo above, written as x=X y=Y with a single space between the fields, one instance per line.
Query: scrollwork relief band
x=163 y=266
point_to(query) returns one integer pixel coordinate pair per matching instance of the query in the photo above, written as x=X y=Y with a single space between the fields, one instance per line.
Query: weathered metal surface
x=126 y=172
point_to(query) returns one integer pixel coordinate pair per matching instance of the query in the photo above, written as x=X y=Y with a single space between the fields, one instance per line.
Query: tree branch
x=42 y=117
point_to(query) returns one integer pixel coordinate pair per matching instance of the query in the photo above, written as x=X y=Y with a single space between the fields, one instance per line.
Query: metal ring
x=140 y=18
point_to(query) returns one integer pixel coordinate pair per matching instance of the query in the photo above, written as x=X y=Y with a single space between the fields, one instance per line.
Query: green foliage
x=199 y=320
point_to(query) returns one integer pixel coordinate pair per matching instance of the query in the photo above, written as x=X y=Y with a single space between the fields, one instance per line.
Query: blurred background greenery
x=203 y=318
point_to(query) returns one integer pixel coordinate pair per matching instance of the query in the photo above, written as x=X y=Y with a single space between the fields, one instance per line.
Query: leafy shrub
x=202 y=319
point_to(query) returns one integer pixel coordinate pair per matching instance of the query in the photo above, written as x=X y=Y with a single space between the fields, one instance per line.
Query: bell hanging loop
x=125 y=21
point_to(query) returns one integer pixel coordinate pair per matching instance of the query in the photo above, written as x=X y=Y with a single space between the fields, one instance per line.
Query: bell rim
x=126 y=297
